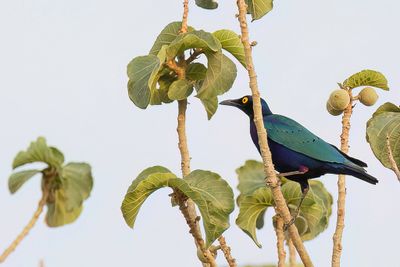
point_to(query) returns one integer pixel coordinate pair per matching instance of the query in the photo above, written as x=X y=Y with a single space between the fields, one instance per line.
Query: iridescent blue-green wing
x=296 y=137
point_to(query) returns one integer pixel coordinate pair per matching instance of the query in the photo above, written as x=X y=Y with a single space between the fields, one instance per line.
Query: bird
x=297 y=153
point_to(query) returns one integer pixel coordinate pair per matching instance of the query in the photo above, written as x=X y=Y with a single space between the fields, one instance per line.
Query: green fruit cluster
x=368 y=96
x=337 y=102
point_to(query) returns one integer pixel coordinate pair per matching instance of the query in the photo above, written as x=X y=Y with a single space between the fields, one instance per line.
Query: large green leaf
x=258 y=8
x=180 y=89
x=39 y=152
x=212 y=195
x=139 y=72
x=207 y=4
x=77 y=183
x=251 y=177
x=17 y=179
x=221 y=73
x=196 y=72
x=251 y=207
x=211 y=103
x=214 y=198
x=167 y=35
x=58 y=213
x=195 y=39
x=231 y=42
x=385 y=123
x=367 y=78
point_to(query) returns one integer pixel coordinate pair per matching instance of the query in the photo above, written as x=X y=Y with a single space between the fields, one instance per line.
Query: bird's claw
x=287 y=225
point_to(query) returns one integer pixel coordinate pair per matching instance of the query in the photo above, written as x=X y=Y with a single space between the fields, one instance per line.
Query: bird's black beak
x=232 y=102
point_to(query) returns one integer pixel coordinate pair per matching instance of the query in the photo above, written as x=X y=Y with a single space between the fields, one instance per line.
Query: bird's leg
x=304 y=190
x=302 y=170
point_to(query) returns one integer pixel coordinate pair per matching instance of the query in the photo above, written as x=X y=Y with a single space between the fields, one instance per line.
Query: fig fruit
x=368 y=96
x=333 y=111
x=339 y=99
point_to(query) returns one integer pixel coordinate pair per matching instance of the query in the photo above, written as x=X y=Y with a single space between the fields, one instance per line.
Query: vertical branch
x=187 y=206
x=280 y=236
x=271 y=180
x=394 y=167
x=27 y=228
x=292 y=253
x=341 y=202
x=227 y=252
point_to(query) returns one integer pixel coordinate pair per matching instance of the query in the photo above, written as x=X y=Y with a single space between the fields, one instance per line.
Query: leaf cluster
x=67 y=185
x=212 y=195
x=170 y=71
x=255 y=198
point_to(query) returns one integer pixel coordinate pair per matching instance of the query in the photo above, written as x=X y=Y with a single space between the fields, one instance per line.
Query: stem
x=27 y=228
x=280 y=236
x=271 y=180
x=394 y=167
x=344 y=147
x=227 y=252
x=186 y=205
x=292 y=253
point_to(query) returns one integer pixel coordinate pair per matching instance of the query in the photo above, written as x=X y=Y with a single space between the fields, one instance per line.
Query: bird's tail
x=359 y=172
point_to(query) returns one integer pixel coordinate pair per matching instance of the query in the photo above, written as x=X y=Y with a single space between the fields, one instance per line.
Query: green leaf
x=39 y=152
x=195 y=39
x=139 y=72
x=57 y=212
x=210 y=104
x=17 y=179
x=221 y=73
x=231 y=42
x=251 y=207
x=367 y=78
x=157 y=72
x=196 y=72
x=142 y=187
x=77 y=183
x=214 y=198
x=385 y=123
x=180 y=89
x=251 y=177
x=212 y=195
x=167 y=35
x=207 y=4
x=258 y=8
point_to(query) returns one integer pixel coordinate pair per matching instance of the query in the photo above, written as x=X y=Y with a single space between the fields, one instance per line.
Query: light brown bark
x=280 y=237
x=271 y=180
x=227 y=252
x=292 y=253
x=341 y=202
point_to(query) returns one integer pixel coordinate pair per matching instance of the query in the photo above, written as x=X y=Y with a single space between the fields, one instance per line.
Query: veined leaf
x=57 y=212
x=167 y=35
x=367 y=78
x=258 y=8
x=212 y=195
x=210 y=104
x=231 y=42
x=39 y=152
x=385 y=123
x=251 y=207
x=17 y=179
x=196 y=72
x=251 y=177
x=180 y=89
x=207 y=4
x=195 y=39
x=221 y=73
x=139 y=72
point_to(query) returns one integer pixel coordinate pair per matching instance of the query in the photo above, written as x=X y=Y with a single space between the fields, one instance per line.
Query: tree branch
x=27 y=228
x=292 y=253
x=394 y=168
x=341 y=202
x=280 y=236
x=271 y=180
x=227 y=252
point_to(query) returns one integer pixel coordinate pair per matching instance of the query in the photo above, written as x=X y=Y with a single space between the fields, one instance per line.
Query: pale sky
x=63 y=76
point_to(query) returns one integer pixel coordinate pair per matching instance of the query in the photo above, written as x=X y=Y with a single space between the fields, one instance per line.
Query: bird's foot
x=302 y=170
x=287 y=225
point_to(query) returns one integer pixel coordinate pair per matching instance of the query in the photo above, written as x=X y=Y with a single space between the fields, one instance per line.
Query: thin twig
x=227 y=252
x=27 y=228
x=280 y=236
x=186 y=205
x=272 y=179
x=292 y=253
x=394 y=167
x=341 y=202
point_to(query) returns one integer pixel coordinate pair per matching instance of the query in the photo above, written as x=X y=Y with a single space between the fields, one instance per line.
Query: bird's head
x=245 y=104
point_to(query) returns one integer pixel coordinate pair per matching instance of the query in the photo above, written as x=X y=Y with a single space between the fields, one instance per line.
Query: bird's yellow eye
x=245 y=100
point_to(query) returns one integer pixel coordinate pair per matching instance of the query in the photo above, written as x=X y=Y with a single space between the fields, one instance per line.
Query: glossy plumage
x=294 y=148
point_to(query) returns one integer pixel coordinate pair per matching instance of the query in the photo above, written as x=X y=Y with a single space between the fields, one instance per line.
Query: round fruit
x=339 y=99
x=333 y=111
x=368 y=96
